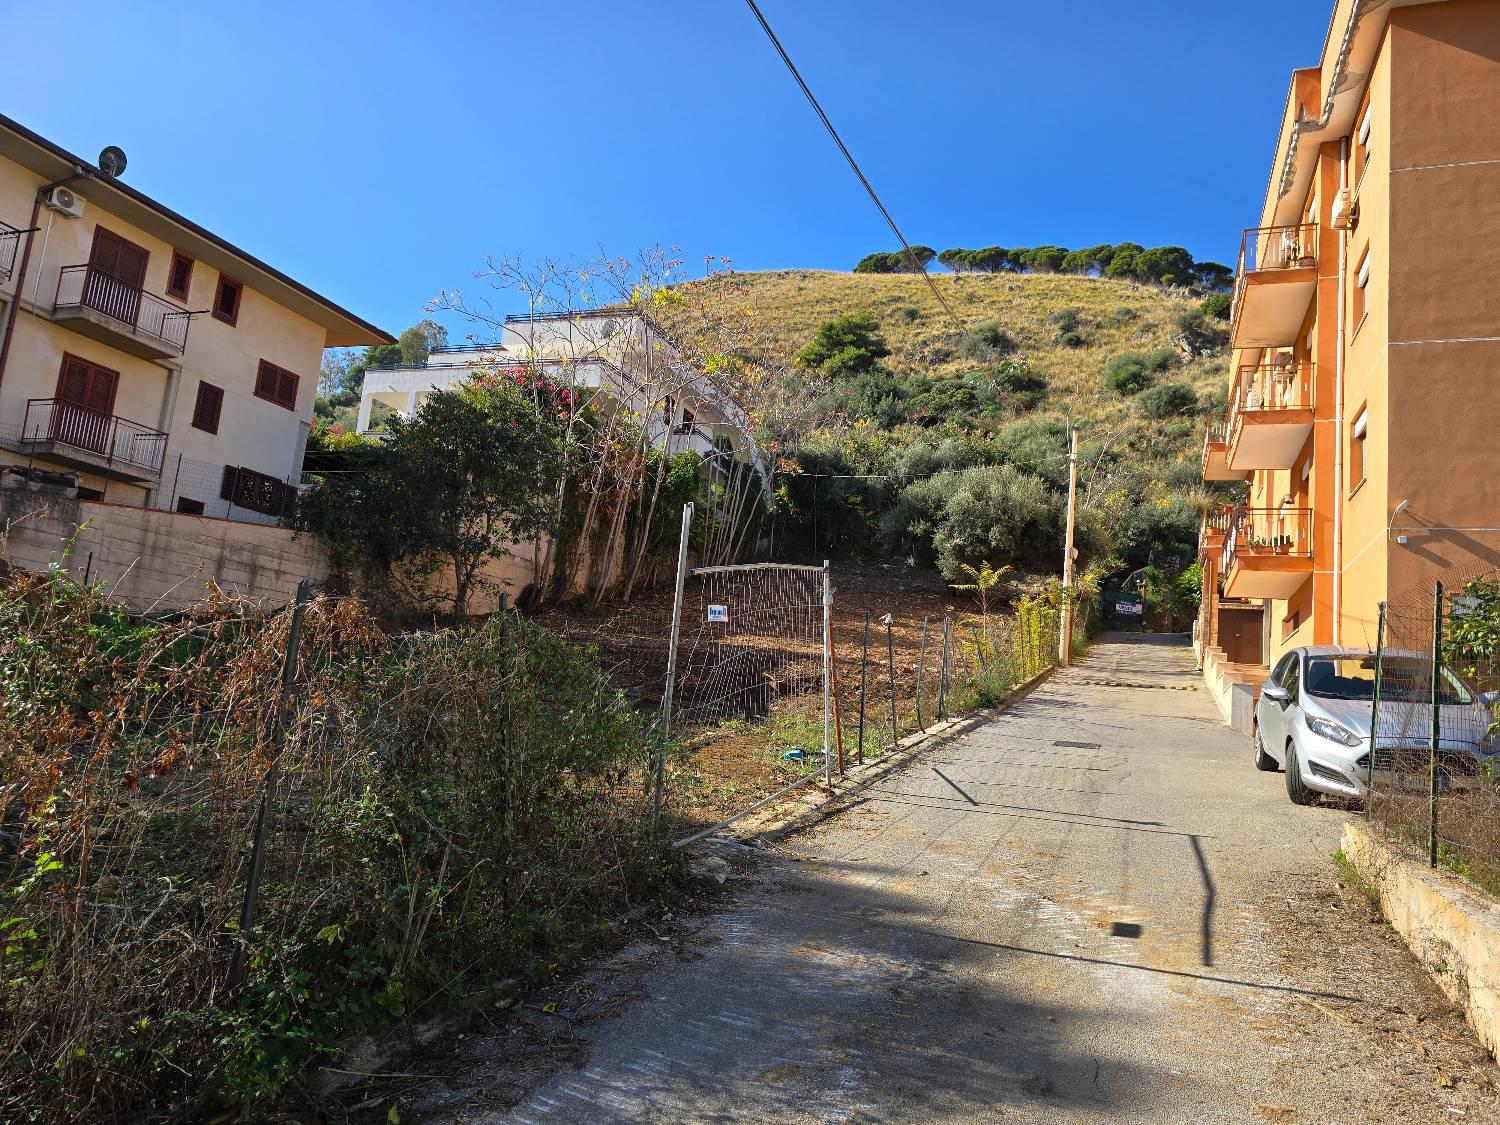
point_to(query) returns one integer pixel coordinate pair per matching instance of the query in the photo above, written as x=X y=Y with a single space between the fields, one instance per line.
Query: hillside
x=945 y=445
x=1114 y=317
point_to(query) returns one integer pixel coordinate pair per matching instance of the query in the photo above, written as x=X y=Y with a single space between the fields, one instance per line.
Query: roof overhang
x=52 y=163
x=1349 y=52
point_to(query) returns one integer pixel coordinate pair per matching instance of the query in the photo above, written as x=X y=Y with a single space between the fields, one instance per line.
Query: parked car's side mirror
x=1276 y=694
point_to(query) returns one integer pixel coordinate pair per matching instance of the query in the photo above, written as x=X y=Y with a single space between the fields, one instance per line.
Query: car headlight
x=1332 y=731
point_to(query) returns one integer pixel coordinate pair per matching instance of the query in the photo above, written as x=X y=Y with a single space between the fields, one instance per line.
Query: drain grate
x=1077 y=745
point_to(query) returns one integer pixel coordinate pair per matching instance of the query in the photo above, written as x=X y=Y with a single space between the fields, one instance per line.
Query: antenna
x=112 y=161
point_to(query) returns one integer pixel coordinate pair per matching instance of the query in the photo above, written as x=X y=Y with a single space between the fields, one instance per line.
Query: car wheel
x=1300 y=794
x=1263 y=761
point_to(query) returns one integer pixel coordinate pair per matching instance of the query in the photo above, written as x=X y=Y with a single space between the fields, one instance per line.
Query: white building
x=614 y=358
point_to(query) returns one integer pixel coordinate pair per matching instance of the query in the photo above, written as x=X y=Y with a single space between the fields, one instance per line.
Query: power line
x=834 y=133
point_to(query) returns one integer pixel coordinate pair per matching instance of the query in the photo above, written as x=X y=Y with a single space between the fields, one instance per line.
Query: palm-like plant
x=986 y=579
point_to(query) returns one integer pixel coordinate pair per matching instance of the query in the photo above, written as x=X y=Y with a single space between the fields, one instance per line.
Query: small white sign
x=718 y=613
x=1130 y=609
x=1462 y=605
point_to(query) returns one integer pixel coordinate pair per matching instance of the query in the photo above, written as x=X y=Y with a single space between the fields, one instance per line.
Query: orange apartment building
x=1364 y=410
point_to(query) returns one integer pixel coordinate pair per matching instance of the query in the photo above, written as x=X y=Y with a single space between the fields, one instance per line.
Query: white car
x=1313 y=720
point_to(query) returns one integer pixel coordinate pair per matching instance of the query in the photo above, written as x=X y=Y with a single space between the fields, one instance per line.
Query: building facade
x=1366 y=344
x=143 y=357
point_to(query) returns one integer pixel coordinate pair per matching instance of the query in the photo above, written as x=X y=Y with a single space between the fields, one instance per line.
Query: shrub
x=1217 y=306
x=986 y=341
x=1199 y=333
x=1167 y=400
x=1129 y=373
x=908 y=314
x=847 y=345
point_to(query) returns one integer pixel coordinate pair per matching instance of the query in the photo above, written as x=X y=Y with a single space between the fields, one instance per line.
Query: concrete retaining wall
x=1453 y=928
x=153 y=559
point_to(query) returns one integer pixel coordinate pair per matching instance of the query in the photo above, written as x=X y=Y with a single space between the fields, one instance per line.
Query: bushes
x=986 y=341
x=1132 y=372
x=1217 y=306
x=452 y=808
x=848 y=345
x=1167 y=400
x=1199 y=333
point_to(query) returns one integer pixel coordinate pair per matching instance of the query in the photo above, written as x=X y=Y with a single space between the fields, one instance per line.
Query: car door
x=1271 y=715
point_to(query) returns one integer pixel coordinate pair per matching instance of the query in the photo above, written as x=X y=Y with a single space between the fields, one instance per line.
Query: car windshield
x=1403 y=680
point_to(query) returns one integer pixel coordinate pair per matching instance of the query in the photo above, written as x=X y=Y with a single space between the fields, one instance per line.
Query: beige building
x=146 y=357
x=1366 y=344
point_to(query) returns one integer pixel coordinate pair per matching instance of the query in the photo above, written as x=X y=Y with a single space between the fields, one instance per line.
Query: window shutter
x=265 y=381
x=226 y=486
x=286 y=389
x=101 y=393
x=74 y=387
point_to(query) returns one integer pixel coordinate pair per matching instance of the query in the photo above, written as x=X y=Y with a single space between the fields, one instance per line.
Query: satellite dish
x=112 y=161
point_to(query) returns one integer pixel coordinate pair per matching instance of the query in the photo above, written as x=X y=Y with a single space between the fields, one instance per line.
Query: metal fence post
x=921 y=672
x=827 y=674
x=666 y=699
x=1375 y=713
x=942 y=706
x=864 y=665
x=890 y=663
x=237 y=963
x=1432 y=761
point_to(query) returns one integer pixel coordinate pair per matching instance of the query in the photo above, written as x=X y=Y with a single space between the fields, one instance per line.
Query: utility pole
x=1065 y=633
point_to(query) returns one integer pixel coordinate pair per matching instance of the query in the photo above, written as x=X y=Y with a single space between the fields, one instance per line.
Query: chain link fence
x=1435 y=760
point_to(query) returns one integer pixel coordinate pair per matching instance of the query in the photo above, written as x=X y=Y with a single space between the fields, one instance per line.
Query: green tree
x=848 y=345
x=1165 y=265
x=451 y=489
x=1216 y=305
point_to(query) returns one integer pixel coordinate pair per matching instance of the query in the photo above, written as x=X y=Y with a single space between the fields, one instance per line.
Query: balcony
x=121 y=315
x=1215 y=451
x=84 y=439
x=1270 y=414
x=1268 y=553
x=1274 y=282
x=10 y=238
x=1214 y=529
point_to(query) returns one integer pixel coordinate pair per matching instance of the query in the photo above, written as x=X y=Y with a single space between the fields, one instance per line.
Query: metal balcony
x=1215 y=451
x=85 y=439
x=123 y=316
x=1268 y=553
x=10 y=239
x=1274 y=282
x=1270 y=414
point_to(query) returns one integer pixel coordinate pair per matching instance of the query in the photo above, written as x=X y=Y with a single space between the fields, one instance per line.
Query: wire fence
x=1435 y=759
x=764 y=706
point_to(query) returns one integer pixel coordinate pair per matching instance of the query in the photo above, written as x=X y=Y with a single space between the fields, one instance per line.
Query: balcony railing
x=1278 y=384
x=1218 y=432
x=1269 y=532
x=144 y=313
x=10 y=238
x=116 y=440
x=1264 y=249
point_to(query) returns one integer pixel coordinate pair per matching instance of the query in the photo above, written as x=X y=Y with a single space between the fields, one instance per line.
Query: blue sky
x=379 y=151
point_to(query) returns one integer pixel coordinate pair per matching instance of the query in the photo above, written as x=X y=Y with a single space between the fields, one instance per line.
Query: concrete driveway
x=1089 y=908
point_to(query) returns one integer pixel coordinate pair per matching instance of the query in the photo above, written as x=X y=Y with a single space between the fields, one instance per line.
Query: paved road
x=1090 y=908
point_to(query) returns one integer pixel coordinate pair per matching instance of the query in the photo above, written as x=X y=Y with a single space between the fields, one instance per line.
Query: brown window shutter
x=226 y=486
x=208 y=407
x=74 y=386
x=101 y=396
x=286 y=389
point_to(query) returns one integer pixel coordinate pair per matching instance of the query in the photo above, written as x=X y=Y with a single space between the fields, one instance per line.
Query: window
x=276 y=384
x=1290 y=625
x=1362 y=141
x=227 y=300
x=87 y=386
x=189 y=507
x=1292 y=679
x=179 y=275
x=208 y=407
x=1358 y=433
x=1359 y=304
x=245 y=488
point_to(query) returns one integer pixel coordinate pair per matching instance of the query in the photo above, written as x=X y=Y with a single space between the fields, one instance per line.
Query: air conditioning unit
x=1343 y=212
x=65 y=201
